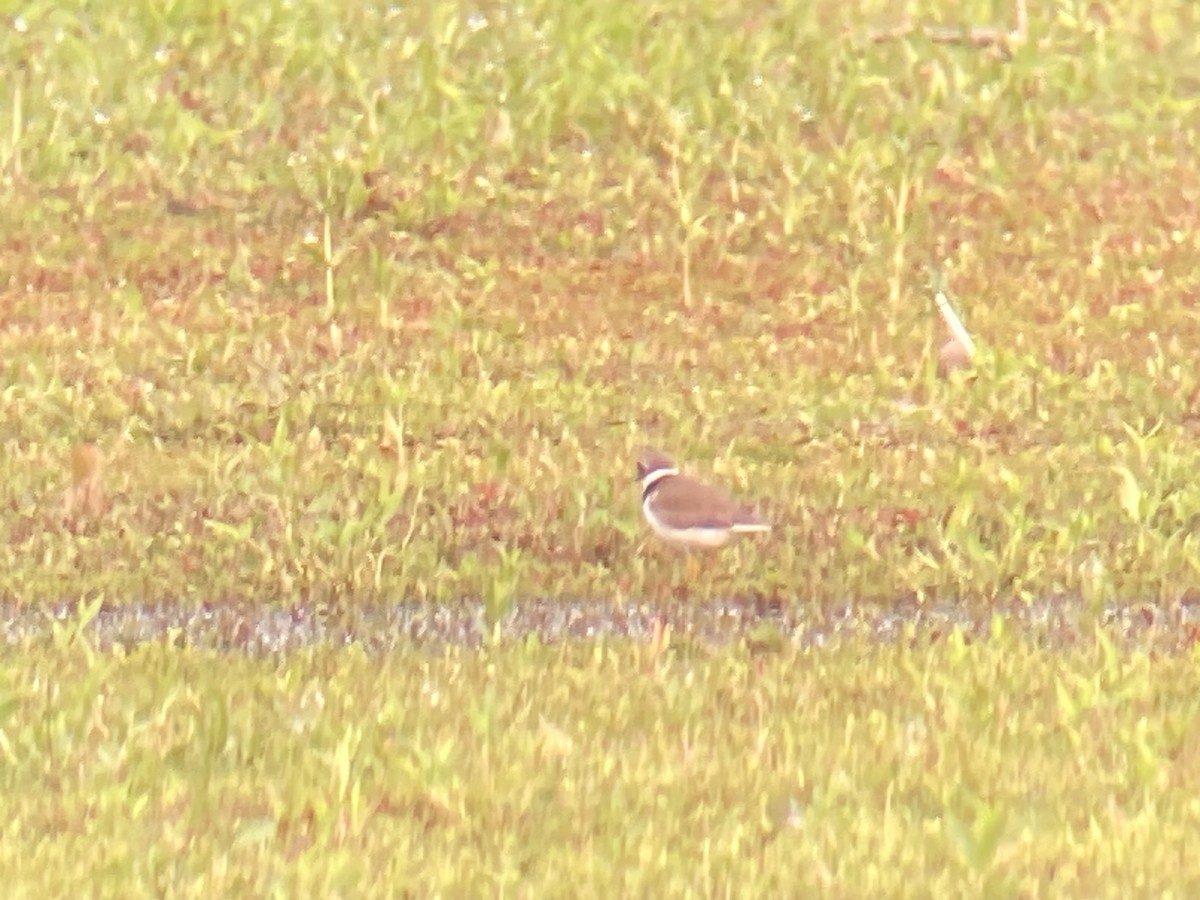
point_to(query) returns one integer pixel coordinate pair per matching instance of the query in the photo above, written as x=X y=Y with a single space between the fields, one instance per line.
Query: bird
x=953 y=357
x=687 y=512
x=959 y=350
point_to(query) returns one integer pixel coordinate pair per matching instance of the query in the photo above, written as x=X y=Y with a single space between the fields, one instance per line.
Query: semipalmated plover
x=688 y=512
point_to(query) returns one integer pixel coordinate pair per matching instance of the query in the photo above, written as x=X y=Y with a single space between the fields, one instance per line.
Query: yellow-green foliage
x=371 y=302
x=999 y=768
x=330 y=306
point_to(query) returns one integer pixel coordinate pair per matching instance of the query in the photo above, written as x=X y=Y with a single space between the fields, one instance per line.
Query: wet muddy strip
x=264 y=629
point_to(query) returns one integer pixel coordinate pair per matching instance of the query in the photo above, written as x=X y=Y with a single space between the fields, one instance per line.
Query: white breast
x=695 y=537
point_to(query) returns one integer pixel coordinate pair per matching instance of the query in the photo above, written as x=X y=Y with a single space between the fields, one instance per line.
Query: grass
x=505 y=320
x=379 y=304
x=998 y=768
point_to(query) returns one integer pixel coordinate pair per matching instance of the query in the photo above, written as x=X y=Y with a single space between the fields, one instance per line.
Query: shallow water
x=264 y=629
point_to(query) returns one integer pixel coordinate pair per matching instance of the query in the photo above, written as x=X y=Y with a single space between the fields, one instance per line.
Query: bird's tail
x=754 y=527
